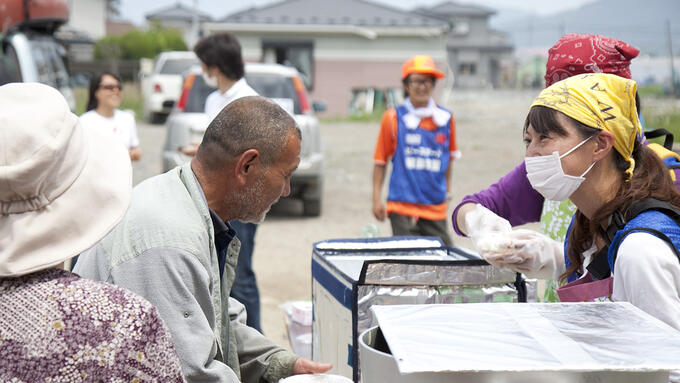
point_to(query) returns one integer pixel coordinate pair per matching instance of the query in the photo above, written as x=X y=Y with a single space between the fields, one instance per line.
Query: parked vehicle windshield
x=177 y=66
x=48 y=61
x=275 y=87
x=197 y=95
x=266 y=85
x=9 y=67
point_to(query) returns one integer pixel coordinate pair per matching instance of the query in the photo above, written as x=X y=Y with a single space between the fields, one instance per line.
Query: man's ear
x=244 y=164
x=604 y=142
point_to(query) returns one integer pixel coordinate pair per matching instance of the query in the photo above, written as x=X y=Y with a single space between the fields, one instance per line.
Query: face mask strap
x=576 y=147
x=587 y=170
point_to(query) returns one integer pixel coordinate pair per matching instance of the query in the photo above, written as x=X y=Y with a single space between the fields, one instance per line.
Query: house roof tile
x=332 y=12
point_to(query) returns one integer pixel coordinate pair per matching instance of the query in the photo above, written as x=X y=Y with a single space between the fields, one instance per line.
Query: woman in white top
x=103 y=113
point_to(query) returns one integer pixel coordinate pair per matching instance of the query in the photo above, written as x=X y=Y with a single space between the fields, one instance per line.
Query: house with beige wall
x=338 y=45
x=342 y=47
x=88 y=16
x=479 y=56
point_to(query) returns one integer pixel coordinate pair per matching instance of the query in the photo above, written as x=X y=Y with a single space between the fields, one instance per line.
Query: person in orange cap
x=419 y=137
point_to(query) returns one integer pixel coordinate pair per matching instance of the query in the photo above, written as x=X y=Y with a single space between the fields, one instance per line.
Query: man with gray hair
x=175 y=248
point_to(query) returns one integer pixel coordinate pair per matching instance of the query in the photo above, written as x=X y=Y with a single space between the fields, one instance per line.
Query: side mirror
x=318 y=106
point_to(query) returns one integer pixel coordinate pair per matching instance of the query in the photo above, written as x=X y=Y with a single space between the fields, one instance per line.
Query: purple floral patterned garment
x=57 y=327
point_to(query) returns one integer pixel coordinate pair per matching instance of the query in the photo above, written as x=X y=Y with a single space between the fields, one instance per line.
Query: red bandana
x=581 y=53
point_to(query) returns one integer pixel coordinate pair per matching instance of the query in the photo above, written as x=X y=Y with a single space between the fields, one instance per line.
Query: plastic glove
x=486 y=229
x=531 y=253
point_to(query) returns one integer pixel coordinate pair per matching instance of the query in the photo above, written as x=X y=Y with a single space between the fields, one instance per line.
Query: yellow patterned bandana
x=602 y=101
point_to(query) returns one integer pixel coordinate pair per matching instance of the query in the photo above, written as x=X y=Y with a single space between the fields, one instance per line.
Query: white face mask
x=209 y=81
x=546 y=175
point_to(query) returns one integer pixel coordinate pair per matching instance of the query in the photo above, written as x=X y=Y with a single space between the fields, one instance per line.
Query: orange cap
x=420 y=64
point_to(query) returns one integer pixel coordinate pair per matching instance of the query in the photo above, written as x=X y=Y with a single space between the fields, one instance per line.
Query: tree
x=137 y=44
x=112 y=9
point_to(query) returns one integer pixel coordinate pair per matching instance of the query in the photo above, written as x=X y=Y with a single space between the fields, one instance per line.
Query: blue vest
x=419 y=163
x=651 y=221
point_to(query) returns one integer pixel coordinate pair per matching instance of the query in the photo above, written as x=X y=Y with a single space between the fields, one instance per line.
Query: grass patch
x=132 y=99
x=376 y=116
x=667 y=119
x=80 y=94
x=651 y=90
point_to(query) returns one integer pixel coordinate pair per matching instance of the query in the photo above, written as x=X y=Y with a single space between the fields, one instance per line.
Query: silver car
x=187 y=123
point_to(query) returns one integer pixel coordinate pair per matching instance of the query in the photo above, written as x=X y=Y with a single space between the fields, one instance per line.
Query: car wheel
x=311 y=208
x=156 y=118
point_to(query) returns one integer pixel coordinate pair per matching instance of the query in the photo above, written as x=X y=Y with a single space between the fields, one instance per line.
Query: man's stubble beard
x=251 y=199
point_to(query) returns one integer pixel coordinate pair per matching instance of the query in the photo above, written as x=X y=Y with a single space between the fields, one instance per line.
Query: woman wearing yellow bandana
x=581 y=144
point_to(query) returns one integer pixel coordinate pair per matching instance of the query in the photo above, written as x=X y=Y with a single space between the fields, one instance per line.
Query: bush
x=137 y=44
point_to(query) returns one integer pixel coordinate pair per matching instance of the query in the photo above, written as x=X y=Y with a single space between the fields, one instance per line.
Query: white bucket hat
x=62 y=188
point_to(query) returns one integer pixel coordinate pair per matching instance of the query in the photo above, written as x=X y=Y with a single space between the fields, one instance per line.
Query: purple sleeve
x=512 y=198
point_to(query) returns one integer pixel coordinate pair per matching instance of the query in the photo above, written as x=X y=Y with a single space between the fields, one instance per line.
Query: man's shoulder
x=167 y=198
x=162 y=214
x=95 y=293
x=214 y=103
x=214 y=95
x=246 y=90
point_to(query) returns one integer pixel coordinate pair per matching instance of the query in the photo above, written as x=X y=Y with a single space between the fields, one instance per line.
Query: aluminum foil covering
x=369 y=295
x=436 y=275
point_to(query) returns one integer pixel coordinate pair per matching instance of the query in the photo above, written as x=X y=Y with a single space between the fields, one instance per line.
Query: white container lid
x=527 y=337
x=316 y=378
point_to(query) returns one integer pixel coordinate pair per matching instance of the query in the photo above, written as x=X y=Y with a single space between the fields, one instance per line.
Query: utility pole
x=530 y=25
x=194 y=26
x=670 y=52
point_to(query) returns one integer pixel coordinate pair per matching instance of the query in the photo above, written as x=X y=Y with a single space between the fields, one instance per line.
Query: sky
x=135 y=10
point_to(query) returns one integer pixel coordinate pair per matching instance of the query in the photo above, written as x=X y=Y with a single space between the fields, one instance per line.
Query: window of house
x=467 y=69
x=461 y=27
x=299 y=55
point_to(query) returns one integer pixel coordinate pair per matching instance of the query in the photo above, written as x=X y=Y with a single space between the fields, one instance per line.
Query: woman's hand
x=485 y=228
x=531 y=253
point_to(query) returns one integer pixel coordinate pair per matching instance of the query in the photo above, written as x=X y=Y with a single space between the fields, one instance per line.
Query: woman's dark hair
x=406 y=80
x=651 y=179
x=223 y=51
x=92 y=102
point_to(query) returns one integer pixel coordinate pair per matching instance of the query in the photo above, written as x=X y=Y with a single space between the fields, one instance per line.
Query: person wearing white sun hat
x=63 y=188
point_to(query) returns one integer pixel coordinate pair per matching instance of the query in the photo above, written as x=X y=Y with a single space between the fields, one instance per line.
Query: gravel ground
x=489 y=134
